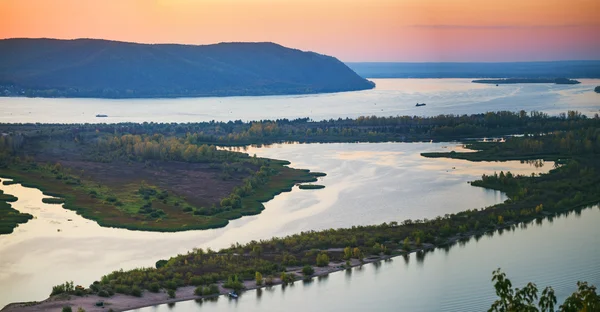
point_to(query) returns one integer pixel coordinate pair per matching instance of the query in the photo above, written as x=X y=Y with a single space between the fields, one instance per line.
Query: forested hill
x=111 y=69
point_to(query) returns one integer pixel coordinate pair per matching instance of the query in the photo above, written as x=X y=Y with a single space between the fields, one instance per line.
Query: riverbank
x=120 y=302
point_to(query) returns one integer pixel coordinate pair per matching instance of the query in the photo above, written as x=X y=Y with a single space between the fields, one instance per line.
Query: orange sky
x=352 y=30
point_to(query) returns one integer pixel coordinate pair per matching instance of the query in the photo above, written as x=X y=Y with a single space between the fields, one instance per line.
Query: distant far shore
x=528 y=80
x=550 y=69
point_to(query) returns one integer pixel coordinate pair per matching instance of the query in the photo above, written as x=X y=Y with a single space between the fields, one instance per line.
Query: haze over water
x=391 y=97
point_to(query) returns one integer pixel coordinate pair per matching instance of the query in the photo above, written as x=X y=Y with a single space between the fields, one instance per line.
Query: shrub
x=154 y=287
x=171 y=293
x=171 y=285
x=308 y=270
x=80 y=309
x=198 y=291
x=233 y=283
x=287 y=278
x=103 y=293
x=67 y=309
x=136 y=291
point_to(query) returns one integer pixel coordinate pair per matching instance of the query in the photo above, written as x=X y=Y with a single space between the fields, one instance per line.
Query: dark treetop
x=111 y=69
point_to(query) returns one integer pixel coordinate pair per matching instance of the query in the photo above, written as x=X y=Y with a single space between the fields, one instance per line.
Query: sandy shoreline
x=120 y=302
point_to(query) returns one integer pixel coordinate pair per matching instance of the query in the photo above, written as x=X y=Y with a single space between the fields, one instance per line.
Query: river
x=555 y=253
x=391 y=97
x=366 y=184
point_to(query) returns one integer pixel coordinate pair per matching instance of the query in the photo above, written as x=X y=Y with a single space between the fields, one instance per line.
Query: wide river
x=366 y=184
x=557 y=253
x=390 y=97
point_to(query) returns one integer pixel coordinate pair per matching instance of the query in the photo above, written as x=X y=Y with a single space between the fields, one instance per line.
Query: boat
x=233 y=295
x=101 y=115
x=422 y=104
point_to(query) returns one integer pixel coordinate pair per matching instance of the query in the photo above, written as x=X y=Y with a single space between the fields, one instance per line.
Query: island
x=163 y=183
x=311 y=186
x=112 y=69
x=572 y=185
x=527 y=80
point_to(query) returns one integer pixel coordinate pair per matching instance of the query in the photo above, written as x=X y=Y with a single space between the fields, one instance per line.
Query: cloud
x=508 y=27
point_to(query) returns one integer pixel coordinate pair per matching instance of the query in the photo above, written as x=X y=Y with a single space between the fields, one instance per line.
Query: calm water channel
x=366 y=184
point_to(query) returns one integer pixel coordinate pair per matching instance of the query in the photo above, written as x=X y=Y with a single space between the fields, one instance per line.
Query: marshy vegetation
x=103 y=177
x=311 y=186
x=10 y=218
x=570 y=186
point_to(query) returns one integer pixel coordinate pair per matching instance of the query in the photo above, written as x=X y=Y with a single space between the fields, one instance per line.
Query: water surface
x=366 y=184
x=391 y=97
x=555 y=253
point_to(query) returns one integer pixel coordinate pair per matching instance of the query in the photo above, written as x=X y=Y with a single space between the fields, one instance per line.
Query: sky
x=351 y=30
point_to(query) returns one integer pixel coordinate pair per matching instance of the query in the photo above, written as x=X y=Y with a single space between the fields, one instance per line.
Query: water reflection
x=454 y=281
x=443 y=96
x=391 y=179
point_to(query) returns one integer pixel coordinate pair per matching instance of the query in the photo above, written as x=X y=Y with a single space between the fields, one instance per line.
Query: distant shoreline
x=564 y=81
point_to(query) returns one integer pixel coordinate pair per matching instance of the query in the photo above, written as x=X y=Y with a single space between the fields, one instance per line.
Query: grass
x=311 y=186
x=143 y=206
x=10 y=218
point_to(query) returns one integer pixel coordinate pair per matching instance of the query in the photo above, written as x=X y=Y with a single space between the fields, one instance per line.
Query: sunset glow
x=352 y=30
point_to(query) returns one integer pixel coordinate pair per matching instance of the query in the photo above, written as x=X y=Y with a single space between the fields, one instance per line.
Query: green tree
x=322 y=260
x=259 y=278
x=171 y=293
x=585 y=299
x=406 y=244
x=356 y=252
x=347 y=253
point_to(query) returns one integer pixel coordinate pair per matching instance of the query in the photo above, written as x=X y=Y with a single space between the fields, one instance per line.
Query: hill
x=574 y=69
x=111 y=69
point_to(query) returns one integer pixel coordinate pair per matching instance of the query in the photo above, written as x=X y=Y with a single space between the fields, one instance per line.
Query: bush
x=308 y=270
x=171 y=293
x=103 y=293
x=212 y=289
x=136 y=291
x=154 y=287
x=53 y=200
x=233 y=283
x=67 y=287
x=171 y=285
x=67 y=309
x=80 y=309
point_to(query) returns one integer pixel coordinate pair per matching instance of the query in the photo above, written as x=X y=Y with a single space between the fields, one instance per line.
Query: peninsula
x=172 y=177
x=571 y=186
x=112 y=69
